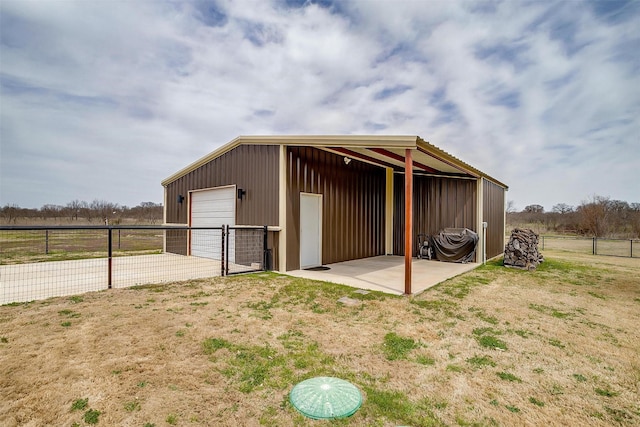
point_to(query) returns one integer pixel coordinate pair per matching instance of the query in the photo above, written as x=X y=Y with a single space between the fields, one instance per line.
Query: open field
x=495 y=346
x=26 y=246
x=585 y=245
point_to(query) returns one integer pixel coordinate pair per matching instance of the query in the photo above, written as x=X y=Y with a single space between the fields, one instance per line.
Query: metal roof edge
x=389 y=141
x=383 y=141
x=395 y=141
x=454 y=161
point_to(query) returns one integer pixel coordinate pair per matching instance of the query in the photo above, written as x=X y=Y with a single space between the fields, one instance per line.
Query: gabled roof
x=381 y=150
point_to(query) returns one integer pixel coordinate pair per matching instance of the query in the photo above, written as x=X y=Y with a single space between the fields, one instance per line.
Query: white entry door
x=212 y=208
x=310 y=230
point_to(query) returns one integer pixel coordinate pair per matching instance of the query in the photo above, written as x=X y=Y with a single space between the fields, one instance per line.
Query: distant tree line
x=596 y=217
x=98 y=211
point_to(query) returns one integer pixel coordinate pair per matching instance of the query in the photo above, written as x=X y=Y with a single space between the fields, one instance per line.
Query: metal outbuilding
x=329 y=199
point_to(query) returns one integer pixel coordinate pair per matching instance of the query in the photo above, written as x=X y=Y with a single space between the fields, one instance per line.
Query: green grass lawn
x=494 y=346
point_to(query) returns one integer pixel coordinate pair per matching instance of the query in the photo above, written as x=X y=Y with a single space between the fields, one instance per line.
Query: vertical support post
x=408 y=219
x=46 y=242
x=282 y=211
x=631 y=254
x=543 y=243
x=265 y=249
x=226 y=251
x=480 y=251
x=593 y=246
x=388 y=219
x=222 y=254
x=119 y=239
x=484 y=242
x=110 y=250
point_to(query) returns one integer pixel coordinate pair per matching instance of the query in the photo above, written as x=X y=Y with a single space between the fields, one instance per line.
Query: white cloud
x=103 y=100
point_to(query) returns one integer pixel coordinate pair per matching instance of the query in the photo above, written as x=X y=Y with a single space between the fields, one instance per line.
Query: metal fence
x=595 y=246
x=42 y=262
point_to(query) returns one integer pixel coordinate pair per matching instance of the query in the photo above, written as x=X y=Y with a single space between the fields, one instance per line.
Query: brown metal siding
x=253 y=168
x=493 y=214
x=438 y=203
x=176 y=241
x=352 y=210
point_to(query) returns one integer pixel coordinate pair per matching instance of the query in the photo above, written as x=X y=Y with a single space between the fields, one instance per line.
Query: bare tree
x=562 y=208
x=594 y=216
x=536 y=209
x=635 y=219
x=10 y=212
x=147 y=212
x=51 y=211
x=103 y=209
x=73 y=209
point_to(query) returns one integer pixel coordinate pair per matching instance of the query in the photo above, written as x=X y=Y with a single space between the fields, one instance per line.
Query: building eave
x=319 y=141
x=362 y=143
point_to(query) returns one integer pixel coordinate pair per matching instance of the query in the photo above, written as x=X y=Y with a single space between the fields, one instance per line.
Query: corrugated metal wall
x=437 y=203
x=493 y=214
x=253 y=168
x=353 y=204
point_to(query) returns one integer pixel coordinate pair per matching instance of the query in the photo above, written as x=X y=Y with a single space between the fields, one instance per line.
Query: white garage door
x=212 y=208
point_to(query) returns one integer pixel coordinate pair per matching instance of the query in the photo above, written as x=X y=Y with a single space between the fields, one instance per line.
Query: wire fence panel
x=593 y=246
x=150 y=264
x=570 y=244
x=41 y=280
x=620 y=248
x=38 y=245
x=38 y=262
x=249 y=249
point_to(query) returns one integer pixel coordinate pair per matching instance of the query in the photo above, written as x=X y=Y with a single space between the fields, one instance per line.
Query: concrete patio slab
x=386 y=273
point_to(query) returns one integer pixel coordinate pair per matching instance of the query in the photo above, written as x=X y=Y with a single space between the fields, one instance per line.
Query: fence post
x=631 y=247
x=543 y=243
x=119 y=239
x=222 y=231
x=265 y=249
x=593 y=249
x=110 y=243
x=226 y=261
x=46 y=242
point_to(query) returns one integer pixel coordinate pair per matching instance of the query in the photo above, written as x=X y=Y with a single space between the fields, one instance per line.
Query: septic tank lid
x=325 y=398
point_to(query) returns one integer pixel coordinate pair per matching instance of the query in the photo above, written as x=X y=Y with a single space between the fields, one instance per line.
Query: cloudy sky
x=104 y=99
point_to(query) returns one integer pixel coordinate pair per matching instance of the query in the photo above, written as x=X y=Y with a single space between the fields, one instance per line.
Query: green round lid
x=325 y=398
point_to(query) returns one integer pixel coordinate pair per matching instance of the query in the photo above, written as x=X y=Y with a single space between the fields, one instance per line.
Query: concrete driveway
x=35 y=281
x=386 y=273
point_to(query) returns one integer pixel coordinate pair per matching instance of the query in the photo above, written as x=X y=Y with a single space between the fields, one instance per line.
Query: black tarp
x=455 y=245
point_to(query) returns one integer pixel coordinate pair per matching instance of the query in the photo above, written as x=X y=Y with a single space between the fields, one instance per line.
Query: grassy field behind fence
x=493 y=347
x=604 y=247
x=24 y=246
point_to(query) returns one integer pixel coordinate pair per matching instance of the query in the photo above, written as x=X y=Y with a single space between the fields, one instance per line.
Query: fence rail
x=38 y=262
x=607 y=247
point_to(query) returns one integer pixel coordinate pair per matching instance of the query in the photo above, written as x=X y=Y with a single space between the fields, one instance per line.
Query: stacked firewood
x=522 y=250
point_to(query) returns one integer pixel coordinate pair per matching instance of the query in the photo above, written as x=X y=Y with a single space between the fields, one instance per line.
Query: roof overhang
x=381 y=150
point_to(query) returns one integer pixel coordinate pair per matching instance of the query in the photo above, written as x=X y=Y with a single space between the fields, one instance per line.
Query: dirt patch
x=559 y=346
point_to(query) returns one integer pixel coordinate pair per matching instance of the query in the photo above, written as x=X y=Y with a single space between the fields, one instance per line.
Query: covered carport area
x=443 y=192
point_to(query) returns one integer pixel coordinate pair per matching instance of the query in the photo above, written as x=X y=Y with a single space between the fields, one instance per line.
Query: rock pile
x=522 y=250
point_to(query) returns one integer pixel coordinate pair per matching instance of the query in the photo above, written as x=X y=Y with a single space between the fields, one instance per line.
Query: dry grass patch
x=492 y=347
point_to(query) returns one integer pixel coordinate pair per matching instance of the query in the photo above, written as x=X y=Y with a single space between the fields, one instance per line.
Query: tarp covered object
x=455 y=245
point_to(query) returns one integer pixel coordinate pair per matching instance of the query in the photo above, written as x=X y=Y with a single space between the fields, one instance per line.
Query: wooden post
x=408 y=220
